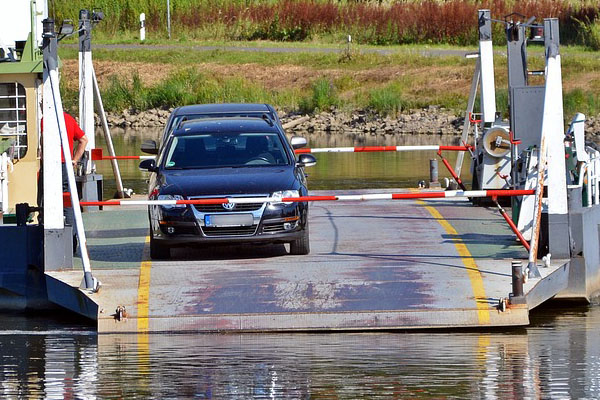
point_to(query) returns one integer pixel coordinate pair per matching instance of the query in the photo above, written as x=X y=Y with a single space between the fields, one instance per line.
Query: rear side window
x=13 y=120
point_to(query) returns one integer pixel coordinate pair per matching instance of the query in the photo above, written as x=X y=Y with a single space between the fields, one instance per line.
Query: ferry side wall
x=21 y=267
x=591 y=250
x=584 y=273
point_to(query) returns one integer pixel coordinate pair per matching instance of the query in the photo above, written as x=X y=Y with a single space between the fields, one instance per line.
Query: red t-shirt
x=74 y=132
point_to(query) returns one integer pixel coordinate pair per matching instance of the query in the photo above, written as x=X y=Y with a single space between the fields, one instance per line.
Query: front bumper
x=271 y=224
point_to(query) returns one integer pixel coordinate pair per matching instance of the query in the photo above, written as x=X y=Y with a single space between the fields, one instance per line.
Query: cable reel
x=496 y=141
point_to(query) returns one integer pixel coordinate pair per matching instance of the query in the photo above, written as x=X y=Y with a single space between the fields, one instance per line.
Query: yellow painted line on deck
x=143 y=342
x=144 y=290
x=483 y=310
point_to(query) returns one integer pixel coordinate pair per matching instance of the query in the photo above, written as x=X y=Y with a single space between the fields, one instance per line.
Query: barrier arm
x=363 y=197
x=98 y=153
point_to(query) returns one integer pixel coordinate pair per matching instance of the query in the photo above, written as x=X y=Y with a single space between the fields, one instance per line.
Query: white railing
x=5 y=165
x=591 y=170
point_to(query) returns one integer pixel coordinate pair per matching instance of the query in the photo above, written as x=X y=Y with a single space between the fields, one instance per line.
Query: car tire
x=158 y=251
x=301 y=247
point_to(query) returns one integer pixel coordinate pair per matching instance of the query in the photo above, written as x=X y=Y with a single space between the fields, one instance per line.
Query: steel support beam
x=558 y=220
x=486 y=58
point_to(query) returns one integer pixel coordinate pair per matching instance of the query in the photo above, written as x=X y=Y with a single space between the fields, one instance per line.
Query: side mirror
x=148 y=165
x=150 y=147
x=298 y=142
x=307 y=160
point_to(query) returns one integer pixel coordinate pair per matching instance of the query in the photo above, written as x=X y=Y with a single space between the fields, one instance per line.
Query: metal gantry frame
x=55 y=136
x=535 y=125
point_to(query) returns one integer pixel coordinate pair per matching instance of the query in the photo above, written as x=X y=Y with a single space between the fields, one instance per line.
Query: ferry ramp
x=410 y=264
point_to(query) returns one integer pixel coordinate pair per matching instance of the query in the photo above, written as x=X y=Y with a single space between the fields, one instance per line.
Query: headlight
x=284 y=193
x=171 y=197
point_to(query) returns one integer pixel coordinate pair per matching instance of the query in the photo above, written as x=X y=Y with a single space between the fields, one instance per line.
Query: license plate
x=225 y=220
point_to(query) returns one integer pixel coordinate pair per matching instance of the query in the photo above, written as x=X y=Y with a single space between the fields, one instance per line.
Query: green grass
x=389 y=100
x=185 y=56
x=184 y=87
x=579 y=101
x=323 y=97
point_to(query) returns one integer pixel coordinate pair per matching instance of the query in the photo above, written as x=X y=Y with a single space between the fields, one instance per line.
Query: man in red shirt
x=74 y=133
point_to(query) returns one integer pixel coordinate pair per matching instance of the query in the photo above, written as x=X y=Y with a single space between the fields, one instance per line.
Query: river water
x=557 y=356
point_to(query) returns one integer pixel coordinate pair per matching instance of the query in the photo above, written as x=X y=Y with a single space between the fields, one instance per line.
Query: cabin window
x=13 y=120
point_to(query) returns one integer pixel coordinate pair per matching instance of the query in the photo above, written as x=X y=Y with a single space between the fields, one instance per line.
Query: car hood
x=229 y=181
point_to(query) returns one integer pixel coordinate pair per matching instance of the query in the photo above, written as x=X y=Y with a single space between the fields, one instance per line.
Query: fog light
x=170 y=229
x=288 y=226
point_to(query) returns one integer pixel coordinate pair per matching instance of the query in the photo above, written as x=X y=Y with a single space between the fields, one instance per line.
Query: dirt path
x=330 y=50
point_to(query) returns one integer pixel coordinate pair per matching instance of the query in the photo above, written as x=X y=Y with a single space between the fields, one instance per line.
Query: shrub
x=577 y=100
x=589 y=33
x=121 y=94
x=387 y=100
x=323 y=97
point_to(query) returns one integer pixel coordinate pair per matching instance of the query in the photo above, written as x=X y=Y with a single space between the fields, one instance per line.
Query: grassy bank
x=369 y=22
x=308 y=82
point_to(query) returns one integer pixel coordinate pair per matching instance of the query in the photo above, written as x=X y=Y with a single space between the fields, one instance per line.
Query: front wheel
x=301 y=246
x=158 y=251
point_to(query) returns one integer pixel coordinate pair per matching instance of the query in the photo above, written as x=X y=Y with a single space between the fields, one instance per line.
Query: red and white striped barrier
x=350 y=197
x=368 y=149
x=97 y=155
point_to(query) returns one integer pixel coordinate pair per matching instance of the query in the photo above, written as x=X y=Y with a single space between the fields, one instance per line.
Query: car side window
x=168 y=153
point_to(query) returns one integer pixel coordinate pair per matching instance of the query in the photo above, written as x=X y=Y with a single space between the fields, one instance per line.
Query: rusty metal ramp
x=373 y=265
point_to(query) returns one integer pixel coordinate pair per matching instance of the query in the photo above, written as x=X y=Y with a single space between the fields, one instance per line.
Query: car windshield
x=225 y=150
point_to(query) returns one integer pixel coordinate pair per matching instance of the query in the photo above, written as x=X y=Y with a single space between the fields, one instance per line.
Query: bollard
x=22 y=212
x=142 y=27
x=517 y=279
x=433 y=174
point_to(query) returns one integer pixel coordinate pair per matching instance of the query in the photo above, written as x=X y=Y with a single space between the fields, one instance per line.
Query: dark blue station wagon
x=228 y=158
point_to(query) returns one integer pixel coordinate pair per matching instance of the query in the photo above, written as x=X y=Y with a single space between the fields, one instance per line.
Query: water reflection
x=557 y=357
x=333 y=170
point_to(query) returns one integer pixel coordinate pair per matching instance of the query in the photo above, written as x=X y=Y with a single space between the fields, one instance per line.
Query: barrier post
x=433 y=174
x=142 y=27
x=517 y=279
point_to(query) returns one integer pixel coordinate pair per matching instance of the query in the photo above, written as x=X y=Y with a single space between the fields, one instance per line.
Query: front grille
x=217 y=208
x=272 y=228
x=229 y=231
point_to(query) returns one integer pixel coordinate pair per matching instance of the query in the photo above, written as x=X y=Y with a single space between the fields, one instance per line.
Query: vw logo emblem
x=228 y=206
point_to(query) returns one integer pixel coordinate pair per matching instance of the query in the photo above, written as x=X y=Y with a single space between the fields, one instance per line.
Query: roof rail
x=267 y=119
x=185 y=118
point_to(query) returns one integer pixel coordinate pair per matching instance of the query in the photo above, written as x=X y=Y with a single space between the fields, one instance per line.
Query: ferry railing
x=5 y=165
x=591 y=170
